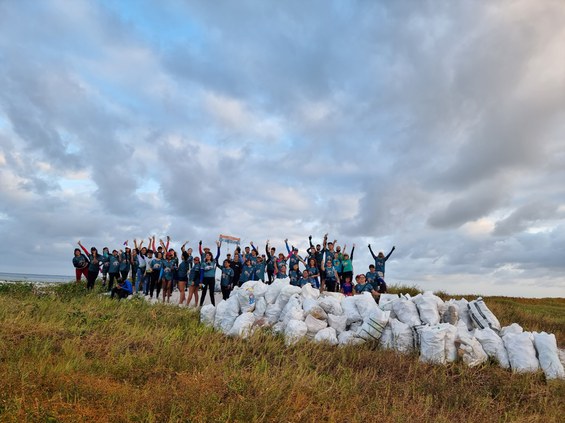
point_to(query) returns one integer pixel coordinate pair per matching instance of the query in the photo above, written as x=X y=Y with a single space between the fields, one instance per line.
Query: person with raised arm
x=208 y=275
x=93 y=266
x=380 y=261
x=331 y=277
x=125 y=262
x=141 y=258
x=259 y=269
x=155 y=271
x=347 y=263
x=80 y=262
x=271 y=259
x=183 y=274
x=166 y=276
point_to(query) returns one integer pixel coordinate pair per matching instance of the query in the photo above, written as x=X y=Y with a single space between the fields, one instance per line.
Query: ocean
x=30 y=277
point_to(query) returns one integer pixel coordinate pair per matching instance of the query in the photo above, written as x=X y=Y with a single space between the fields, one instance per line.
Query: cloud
x=435 y=129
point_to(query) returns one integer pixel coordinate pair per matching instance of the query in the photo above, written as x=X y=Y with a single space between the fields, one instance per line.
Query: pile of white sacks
x=441 y=332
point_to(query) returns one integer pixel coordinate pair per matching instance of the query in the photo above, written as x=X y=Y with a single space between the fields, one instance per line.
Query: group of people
x=158 y=269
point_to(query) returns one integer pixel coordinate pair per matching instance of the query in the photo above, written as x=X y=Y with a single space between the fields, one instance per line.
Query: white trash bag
x=493 y=346
x=207 y=314
x=308 y=291
x=481 y=315
x=349 y=338
x=260 y=307
x=432 y=344
x=274 y=289
x=365 y=304
x=294 y=331
x=273 y=312
x=314 y=325
x=246 y=297
x=339 y=323
x=427 y=308
x=513 y=328
x=470 y=349
x=330 y=304
x=226 y=313
x=374 y=325
x=242 y=325
x=350 y=310
x=521 y=352
x=402 y=337
x=327 y=335
x=406 y=311
x=546 y=346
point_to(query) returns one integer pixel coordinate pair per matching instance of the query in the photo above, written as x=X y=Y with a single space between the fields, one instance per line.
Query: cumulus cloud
x=435 y=128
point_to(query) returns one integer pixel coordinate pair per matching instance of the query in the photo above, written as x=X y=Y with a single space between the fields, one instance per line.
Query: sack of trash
x=441 y=332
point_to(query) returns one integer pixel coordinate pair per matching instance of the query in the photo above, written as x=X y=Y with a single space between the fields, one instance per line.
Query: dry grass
x=80 y=357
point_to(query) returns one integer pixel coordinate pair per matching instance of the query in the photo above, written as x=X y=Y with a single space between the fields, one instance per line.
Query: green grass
x=69 y=355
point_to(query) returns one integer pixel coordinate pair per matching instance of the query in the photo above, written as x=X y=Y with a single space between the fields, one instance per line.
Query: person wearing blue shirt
x=247 y=272
x=363 y=286
x=208 y=275
x=271 y=259
x=80 y=262
x=122 y=290
x=294 y=275
x=125 y=262
x=113 y=268
x=183 y=276
x=193 y=282
x=93 y=265
x=380 y=261
x=226 y=280
x=259 y=269
x=154 y=268
x=105 y=264
x=331 y=277
x=166 y=276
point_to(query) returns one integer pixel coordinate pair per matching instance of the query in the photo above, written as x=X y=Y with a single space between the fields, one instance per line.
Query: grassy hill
x=66 y=355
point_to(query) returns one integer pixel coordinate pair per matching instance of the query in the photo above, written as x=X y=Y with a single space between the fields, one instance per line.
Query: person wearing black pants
x=271 y=259
x=208 y=275
x=93 y=267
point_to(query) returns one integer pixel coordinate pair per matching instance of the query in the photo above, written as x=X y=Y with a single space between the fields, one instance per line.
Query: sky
x=437 y=127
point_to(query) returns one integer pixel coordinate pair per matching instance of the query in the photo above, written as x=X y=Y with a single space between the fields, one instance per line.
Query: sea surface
x=30 y=277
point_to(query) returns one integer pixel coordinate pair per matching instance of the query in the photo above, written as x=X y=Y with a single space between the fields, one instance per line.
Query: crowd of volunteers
x=158 y=270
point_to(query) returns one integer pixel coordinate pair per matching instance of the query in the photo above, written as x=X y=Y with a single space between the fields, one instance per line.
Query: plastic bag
x=314 y=325
x=260 y=289
x=260 y=307
x=451 y=351
x=365 y=304
x=493 y=346
x=350 y=310
x=318 y=312
x=331 y=305
x=470 y=349
x=513 y=328
x=339 y=323
x=294 y=331
x=328 y=335
x=274 y=289
x=287 y=292
x=374 y=324
x=308 y=303
x=246 y=298
x=402 y=337
x=273 y=312
x=226 y=313
x=207 y=314
x=463 y=312
x=546 y=346
x=481 y=315
x=521 y=352
x=293 y=302
x=349 y=338
x=427 y=308
x=387 y=340
x=451 y=314
x=406 y=311
x=432 y=344
x=242 y=325
x=310 y=292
